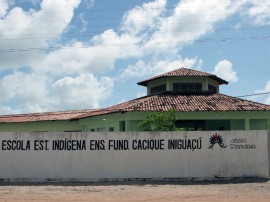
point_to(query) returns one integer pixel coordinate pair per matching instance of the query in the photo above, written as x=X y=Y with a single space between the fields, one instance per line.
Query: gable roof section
x=160 y=102
x=183 y=103
x=45 y=116
x=183 y=72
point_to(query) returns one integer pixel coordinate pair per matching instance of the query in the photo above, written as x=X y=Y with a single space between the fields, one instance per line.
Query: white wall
x=245 y=154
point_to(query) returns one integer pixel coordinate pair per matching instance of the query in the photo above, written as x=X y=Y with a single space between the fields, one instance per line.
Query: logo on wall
x=216 y=139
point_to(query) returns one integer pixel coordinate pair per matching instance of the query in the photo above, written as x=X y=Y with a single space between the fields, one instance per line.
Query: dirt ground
x=228 y=190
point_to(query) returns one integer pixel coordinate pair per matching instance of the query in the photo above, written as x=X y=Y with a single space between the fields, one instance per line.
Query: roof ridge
x=145 y=98
x=47 y=113
x=114 y=108
x=134 y=105
x=91 y=111
x=157 y=102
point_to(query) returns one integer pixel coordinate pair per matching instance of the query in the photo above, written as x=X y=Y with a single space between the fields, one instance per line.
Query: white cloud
x=199 y=64
x=20 y=86
x=21 y=30
x=121 y=101
x=35 y=92
x=88 y=3
x=142 y=69
x=253 y=11
x=121 y=45
x=27 y=90
x=78 y=57
x=35 y=2
x=140 y=94
x=135 y=20
x=8 y=110
x=3 y=7
x=84 y=22
x=267 y=101
x=224 y=69
x=147 y=35
x=265 y=90
x=143 y=17
x=190 y=21
x=260 y=12
x=84 y=91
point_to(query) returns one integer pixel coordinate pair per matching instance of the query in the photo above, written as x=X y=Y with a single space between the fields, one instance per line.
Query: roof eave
x=220 y=81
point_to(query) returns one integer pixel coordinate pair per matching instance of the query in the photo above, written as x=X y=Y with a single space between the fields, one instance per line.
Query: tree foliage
x=162 y=121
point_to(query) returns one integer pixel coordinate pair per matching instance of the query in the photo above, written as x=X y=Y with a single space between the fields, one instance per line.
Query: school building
x=194 y=95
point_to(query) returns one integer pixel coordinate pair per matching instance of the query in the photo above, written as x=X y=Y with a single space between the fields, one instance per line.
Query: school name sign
x=93 y=145
x=99 y=156
x=136 y=144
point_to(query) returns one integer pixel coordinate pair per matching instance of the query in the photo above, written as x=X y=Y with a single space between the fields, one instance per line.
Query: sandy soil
x=232 y=190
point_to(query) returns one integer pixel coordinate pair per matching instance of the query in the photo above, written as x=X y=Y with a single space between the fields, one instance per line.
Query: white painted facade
x=240 y=154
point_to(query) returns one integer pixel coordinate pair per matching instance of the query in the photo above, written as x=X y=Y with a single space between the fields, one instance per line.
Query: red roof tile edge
x=183 y=103
x=43 y=116
x=160 y=102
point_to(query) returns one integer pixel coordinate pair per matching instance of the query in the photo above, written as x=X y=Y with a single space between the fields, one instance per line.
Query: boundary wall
x=93 y=156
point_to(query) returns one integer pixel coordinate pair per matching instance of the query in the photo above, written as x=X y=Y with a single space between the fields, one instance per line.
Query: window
x=190 y=125
x=212 y=88
x=187 y=87
x=111 y=129
x=158 y=89
x=221 y=128
x=122 y=126
x=258 y=124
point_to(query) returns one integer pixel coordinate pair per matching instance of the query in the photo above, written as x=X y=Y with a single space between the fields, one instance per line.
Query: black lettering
x=148 y=144
x=191 y=144
x=199 y=143
x=110 y=144
x=194 y=144
x=97 y=145
x=161 y=145
x=4 y=145
x=118 y=145
x=242 y=146
x=15 y=145
x=68 y=145
x=27 y=145
x=38 y=145
x=46 y=145
x=134 y=142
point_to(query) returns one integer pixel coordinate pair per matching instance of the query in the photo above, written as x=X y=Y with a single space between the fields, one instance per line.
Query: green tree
x=162 y=121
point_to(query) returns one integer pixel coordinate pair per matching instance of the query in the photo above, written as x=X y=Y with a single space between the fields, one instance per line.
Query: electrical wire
x=139 y=44
x=118 y=18
x=149 y=8
x=89 y=34
x=254 y=94
x=123 y=26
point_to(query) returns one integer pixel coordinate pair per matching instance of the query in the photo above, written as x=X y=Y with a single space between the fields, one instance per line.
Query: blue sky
x=81 y=54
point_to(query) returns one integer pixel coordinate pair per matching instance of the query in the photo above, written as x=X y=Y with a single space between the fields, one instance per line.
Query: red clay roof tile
x=158 y=102
x=203 y=101
x=45 y=116
x=183 y=103
x=183 y=72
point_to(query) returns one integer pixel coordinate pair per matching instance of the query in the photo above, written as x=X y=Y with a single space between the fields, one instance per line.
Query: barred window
x=212 y=88
x=158 y=89
x=187 y=87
